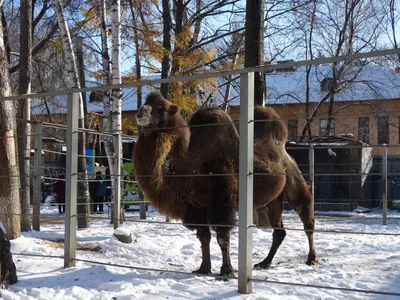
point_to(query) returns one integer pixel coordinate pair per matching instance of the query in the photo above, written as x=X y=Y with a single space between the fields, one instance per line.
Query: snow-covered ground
x=367 y=262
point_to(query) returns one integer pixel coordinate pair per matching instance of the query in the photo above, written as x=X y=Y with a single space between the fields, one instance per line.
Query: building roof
x=369 y=82
x=359 y=83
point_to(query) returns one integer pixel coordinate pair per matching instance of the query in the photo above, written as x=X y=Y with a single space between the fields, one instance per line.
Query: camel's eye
x=161 y=111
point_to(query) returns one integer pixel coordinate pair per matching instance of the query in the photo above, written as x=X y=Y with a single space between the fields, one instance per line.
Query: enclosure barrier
x=246 y=173
x=246 y=181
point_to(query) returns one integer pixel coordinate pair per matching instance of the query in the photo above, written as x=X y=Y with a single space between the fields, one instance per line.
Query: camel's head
x=156 y=111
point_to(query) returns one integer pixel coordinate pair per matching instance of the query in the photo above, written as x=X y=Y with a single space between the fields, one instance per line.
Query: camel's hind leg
x=204 y=235
x=306 y=214
x=275 y=209
x=223 y=238
x=299 y=196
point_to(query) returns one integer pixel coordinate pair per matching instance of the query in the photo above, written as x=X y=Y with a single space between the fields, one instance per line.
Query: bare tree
x=10 y=208
x=24 y=110
x=166 y=61
x=71 y=66
x=345 y=27
x=116 y=116
x=254 y=45
x=394 y=17
x=138 y=67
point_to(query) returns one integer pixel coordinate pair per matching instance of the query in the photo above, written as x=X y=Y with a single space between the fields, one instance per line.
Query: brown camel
x=168 y=147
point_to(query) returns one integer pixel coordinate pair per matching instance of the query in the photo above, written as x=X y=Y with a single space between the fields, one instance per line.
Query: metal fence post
x=117 y=180
x=312 y=174
x=71 y=194
x=142 y=204
x=384 y=184
x=37 y=169
x=246 y=181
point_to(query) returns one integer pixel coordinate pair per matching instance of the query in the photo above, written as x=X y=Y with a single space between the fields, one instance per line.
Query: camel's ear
x=173 y=109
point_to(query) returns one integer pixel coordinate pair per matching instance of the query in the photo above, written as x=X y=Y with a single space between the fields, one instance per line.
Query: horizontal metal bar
x=273 y=67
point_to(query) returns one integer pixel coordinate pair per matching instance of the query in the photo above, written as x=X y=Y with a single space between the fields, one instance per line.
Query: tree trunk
x=70 y=61
x=393 y=26
x=166 y=61
x=179 y=14
x=116 y=117
x=24 y=111
x=81 y=75
x=233 y=49
x=142 y=204
x=108 y=143
x=10 y=208
x=254 y=46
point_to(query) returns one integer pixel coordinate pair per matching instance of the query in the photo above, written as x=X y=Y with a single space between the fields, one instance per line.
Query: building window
x=293 y=127
x=383 y=130
x=327 y=84
x=363 y=129
x=323 y=126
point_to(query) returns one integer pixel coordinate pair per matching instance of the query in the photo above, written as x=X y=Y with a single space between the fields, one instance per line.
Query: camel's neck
x=151 y=154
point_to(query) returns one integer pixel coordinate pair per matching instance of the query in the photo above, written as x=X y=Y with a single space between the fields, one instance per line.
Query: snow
x=372 y=82
x=122 y=231
x=368 y=262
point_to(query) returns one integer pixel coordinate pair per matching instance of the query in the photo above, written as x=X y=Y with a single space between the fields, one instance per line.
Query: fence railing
x=246 y=172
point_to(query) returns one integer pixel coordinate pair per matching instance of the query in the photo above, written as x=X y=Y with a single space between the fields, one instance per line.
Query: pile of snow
x=368 y=262
x=122 y=231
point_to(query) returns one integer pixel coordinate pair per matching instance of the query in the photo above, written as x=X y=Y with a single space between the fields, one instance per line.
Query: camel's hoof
x=203 y=271
x=226 y=273
x=262 y=266
x=311 y=262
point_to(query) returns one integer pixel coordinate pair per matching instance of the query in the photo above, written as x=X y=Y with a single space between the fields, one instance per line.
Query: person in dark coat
x=59 y=189
x=98 y=193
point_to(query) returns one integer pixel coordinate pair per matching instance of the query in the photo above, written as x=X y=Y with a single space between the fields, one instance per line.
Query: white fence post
x=312 y=174
x=71 y=180
x=117 y=180
x=246 y=181
x=37 y=184
x=384 y=184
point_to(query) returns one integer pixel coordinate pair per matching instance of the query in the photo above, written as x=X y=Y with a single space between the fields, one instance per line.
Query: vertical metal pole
x=142 y=204
x=117 y=180
x=312 y=173
x=384 y=184
x=246 y=181
x=37 y=184
x=71 y=194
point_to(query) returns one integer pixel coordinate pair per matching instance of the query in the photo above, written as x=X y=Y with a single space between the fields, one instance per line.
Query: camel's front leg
x=223 y=238
x=204 y=235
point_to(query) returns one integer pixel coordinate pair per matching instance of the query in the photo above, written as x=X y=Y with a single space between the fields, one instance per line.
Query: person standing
x=98 y=192
x=59 y=189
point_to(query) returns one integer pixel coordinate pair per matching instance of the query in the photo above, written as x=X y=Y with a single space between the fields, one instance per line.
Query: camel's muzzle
x=143 y=116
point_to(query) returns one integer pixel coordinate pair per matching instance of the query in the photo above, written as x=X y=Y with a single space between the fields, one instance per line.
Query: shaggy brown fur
x=211 y=150
x=154 y=148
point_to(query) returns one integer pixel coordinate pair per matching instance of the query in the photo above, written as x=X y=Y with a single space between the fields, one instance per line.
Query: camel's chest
x=169 y=167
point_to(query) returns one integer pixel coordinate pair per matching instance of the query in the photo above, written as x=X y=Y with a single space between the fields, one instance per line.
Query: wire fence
x=345 y=170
